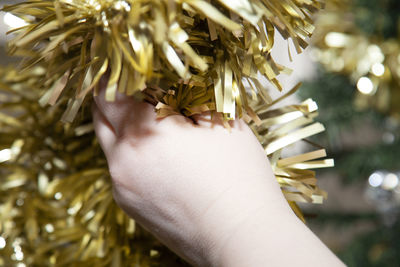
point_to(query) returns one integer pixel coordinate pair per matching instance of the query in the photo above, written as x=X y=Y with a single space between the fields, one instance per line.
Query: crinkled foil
x=195 y=44
x=56 y=205
x=56 y=202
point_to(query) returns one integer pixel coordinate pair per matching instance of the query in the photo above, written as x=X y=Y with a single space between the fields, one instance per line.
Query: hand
x=208 y=194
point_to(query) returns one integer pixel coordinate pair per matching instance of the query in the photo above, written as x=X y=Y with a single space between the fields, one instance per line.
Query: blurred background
x=352 y=70
x=357 y=87
x=6 y=22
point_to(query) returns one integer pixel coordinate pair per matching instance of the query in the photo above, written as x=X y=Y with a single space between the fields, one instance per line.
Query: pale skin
x=208 y=194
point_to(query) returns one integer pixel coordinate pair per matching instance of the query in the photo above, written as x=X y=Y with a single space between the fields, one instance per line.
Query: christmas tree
x=357 y=88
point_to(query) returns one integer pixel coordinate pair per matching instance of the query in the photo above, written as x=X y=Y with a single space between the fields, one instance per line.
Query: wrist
x=236 y=226
x=282 y=240
x=254 y=239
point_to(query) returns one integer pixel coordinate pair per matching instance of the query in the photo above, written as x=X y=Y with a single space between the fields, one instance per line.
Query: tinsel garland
x=213 y=49
x=371 y=61
x=56 y=205
x=186 y=57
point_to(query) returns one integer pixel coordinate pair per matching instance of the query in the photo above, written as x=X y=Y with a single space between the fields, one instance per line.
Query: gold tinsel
x=201 y=45
x=187 y=57
x=56 y=205
x=371 y=62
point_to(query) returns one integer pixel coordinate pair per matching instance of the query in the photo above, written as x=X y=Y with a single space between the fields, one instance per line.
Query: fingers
x=123 y=112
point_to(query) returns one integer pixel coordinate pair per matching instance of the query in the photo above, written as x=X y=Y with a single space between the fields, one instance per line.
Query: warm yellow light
x=375 y=54
x=378 y=69
x=365 y=86
x=390 y=182
x=336 y=39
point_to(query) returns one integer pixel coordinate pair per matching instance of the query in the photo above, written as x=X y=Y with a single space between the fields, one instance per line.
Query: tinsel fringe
x=204 y=45
x=187 y=57
x=55 y=190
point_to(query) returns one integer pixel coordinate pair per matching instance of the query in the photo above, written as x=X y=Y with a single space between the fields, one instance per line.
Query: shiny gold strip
x=303 y=157
x=314 y=164
x=294 y=137
x=229 y=103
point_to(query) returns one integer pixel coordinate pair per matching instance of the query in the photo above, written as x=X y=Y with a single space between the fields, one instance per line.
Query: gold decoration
x=371 y=62
x=203 y=45
x=56 y=205
x=185 y=57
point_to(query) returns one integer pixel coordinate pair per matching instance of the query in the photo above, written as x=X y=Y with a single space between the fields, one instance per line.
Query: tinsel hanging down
x=185 y=57
x=56 y=205
x=211 y=49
